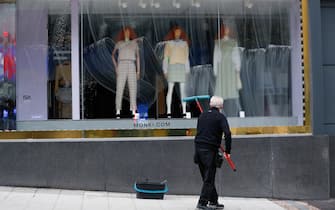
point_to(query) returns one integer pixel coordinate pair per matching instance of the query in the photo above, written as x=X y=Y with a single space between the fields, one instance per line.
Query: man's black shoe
x=215 y=205
x=202 y=206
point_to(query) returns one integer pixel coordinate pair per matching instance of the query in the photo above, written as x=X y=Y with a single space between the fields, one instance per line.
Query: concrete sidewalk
x=16 y=198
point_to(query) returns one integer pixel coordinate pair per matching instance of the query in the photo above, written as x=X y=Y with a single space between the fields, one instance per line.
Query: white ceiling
x=228 y=7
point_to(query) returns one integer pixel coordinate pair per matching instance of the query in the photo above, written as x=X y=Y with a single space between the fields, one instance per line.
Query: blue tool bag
x=150 y=190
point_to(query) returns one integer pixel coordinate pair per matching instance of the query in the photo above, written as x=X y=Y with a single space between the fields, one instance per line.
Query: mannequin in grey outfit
x=127 y=68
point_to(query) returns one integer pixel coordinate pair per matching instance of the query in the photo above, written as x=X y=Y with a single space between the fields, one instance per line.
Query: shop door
x=328 y=60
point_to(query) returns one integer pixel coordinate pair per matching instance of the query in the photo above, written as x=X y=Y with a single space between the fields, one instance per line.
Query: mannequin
x=9 y=66
x=1 y=60
x=127 y=67
x=227 y=66
x=63 y=90
x=176 y=64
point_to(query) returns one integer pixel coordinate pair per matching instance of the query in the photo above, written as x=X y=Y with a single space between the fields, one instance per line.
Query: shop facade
x=83 y=69
x=260 y=77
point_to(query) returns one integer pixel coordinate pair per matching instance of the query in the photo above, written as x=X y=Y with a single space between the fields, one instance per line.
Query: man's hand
x=230 y=162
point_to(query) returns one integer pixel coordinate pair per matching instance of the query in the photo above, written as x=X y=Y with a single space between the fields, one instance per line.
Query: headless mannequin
x=1 y=60
x=176 y=48
x=127 y=69
x=63 y=90
x=9 y=68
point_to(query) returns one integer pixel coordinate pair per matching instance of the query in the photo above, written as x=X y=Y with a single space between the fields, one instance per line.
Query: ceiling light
x=176 y=4
x=196 y=3
x=248 y=4
x=155 y=4
x=123 y=4
x=142 y=4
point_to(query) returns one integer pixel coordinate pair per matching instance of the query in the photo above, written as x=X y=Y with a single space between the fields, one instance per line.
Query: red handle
x=229 y=160
x=199 y=105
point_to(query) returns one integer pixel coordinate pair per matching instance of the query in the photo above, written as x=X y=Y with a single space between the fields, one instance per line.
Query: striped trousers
x=126 y=73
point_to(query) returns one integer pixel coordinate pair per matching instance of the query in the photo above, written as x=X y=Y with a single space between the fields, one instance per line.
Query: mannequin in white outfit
x=176 y=64
x=127 y=68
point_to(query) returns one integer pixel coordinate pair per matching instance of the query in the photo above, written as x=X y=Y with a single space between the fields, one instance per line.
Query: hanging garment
x=201 y=80
x=226 y=66
x=161 y=81
x=253 y=78
x=200 y=49
x=278 y=82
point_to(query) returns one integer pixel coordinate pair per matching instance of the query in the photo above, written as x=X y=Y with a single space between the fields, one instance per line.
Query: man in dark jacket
x=210 y=128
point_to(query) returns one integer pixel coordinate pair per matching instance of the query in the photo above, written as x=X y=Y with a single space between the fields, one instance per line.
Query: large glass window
x=147 y=56
x=7 y=66
x=92 y=64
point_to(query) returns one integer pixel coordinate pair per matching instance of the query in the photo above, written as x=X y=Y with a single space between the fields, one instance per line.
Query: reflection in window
x=239 y=50
x=7 y=67
x=59 y=66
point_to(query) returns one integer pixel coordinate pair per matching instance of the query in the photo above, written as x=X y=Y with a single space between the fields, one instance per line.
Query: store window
x=147 y=56
x=143 y=58
x=7 y=66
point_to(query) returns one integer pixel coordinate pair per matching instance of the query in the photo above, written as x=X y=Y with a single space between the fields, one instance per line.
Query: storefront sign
x=145 y=124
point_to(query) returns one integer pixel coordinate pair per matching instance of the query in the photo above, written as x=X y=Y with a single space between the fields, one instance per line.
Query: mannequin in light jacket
x=176 y=63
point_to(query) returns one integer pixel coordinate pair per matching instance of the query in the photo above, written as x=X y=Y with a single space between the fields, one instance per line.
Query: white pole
x=75 y=59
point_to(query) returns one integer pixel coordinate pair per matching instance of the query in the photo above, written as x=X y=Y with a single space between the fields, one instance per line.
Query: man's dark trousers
x=206 y=158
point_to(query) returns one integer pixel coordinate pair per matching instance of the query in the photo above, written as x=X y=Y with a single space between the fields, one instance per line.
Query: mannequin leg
x=182 y=95
x=120 y=83
x=169 y=97
x=132 y=84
